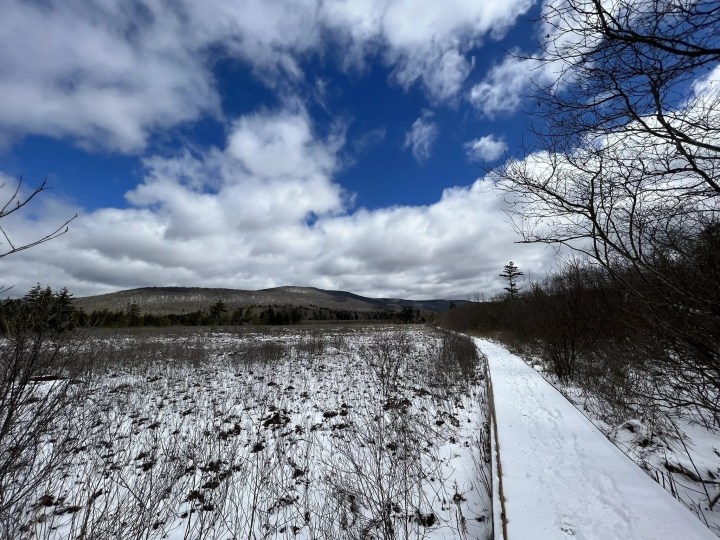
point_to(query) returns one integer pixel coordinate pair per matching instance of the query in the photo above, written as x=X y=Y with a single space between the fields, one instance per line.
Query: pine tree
x=134 y=316
x=511 y=273
x=238 y=317
x=218 y=312
x=43 y=309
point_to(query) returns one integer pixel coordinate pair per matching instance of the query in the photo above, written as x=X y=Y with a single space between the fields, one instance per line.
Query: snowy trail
x=562 y=478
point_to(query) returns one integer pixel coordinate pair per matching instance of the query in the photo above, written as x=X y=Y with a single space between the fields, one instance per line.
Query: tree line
x=640 y=342
x=34 y=306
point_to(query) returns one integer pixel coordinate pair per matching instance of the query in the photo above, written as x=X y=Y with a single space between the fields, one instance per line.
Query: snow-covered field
x=322 y=434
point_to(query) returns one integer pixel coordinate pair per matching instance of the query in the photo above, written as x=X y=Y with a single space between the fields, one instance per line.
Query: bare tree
x=40 y=364
x=38 y=376
x=627 y=167
x=16 y=201
x=647 y=70
x=629 y=132
x=476 y=297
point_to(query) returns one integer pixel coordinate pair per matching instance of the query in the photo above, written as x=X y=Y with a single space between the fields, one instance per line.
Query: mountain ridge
x=162 y=300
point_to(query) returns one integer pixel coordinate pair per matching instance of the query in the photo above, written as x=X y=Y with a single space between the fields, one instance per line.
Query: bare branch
x=14 y=203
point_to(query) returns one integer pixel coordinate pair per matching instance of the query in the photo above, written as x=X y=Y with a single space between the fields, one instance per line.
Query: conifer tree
x=511 y=273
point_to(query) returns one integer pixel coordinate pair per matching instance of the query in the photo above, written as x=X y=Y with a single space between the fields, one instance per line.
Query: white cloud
x=105 y=75
x=238 y=217
x=369 y=139
x=111 y=74
x=272 y=174
x=487 y=148
x=425 y=42
x=421 y=136
x=505 y=85
x=442 y=73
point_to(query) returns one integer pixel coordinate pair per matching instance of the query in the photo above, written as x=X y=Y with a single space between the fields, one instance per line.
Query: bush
x=41 y=387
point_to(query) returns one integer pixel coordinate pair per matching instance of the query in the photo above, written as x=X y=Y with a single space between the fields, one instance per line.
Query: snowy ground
x=326 y=434
x=676 y=447
x=562 y=477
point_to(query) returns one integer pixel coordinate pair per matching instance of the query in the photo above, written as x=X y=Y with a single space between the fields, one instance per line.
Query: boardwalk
x=561 y=478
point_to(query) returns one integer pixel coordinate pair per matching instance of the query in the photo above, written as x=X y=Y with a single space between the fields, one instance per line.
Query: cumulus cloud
x=442 y=72
x=111 y=74
x=425 y=42
x=421 y=136
x=272 y=174
x=239 y=216
x=486 y=148
x=448 y=249
x=505 y=85
x=105 y=74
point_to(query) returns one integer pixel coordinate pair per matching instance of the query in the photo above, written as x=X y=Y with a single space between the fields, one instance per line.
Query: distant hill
x=166 y=300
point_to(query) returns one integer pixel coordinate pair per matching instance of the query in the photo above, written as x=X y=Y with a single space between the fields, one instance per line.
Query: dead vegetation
x=344 y=433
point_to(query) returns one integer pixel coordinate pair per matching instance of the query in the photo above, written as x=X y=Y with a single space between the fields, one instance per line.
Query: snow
x=296 y=434
x=561 y=477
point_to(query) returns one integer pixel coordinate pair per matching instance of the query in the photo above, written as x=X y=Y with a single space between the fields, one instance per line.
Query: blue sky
x=250 y=144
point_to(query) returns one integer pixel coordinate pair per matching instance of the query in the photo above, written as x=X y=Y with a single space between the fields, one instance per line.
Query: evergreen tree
x=134 y=316
x=511 y=273
x=217 y=312
x=238 y=317
x=41 y=310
